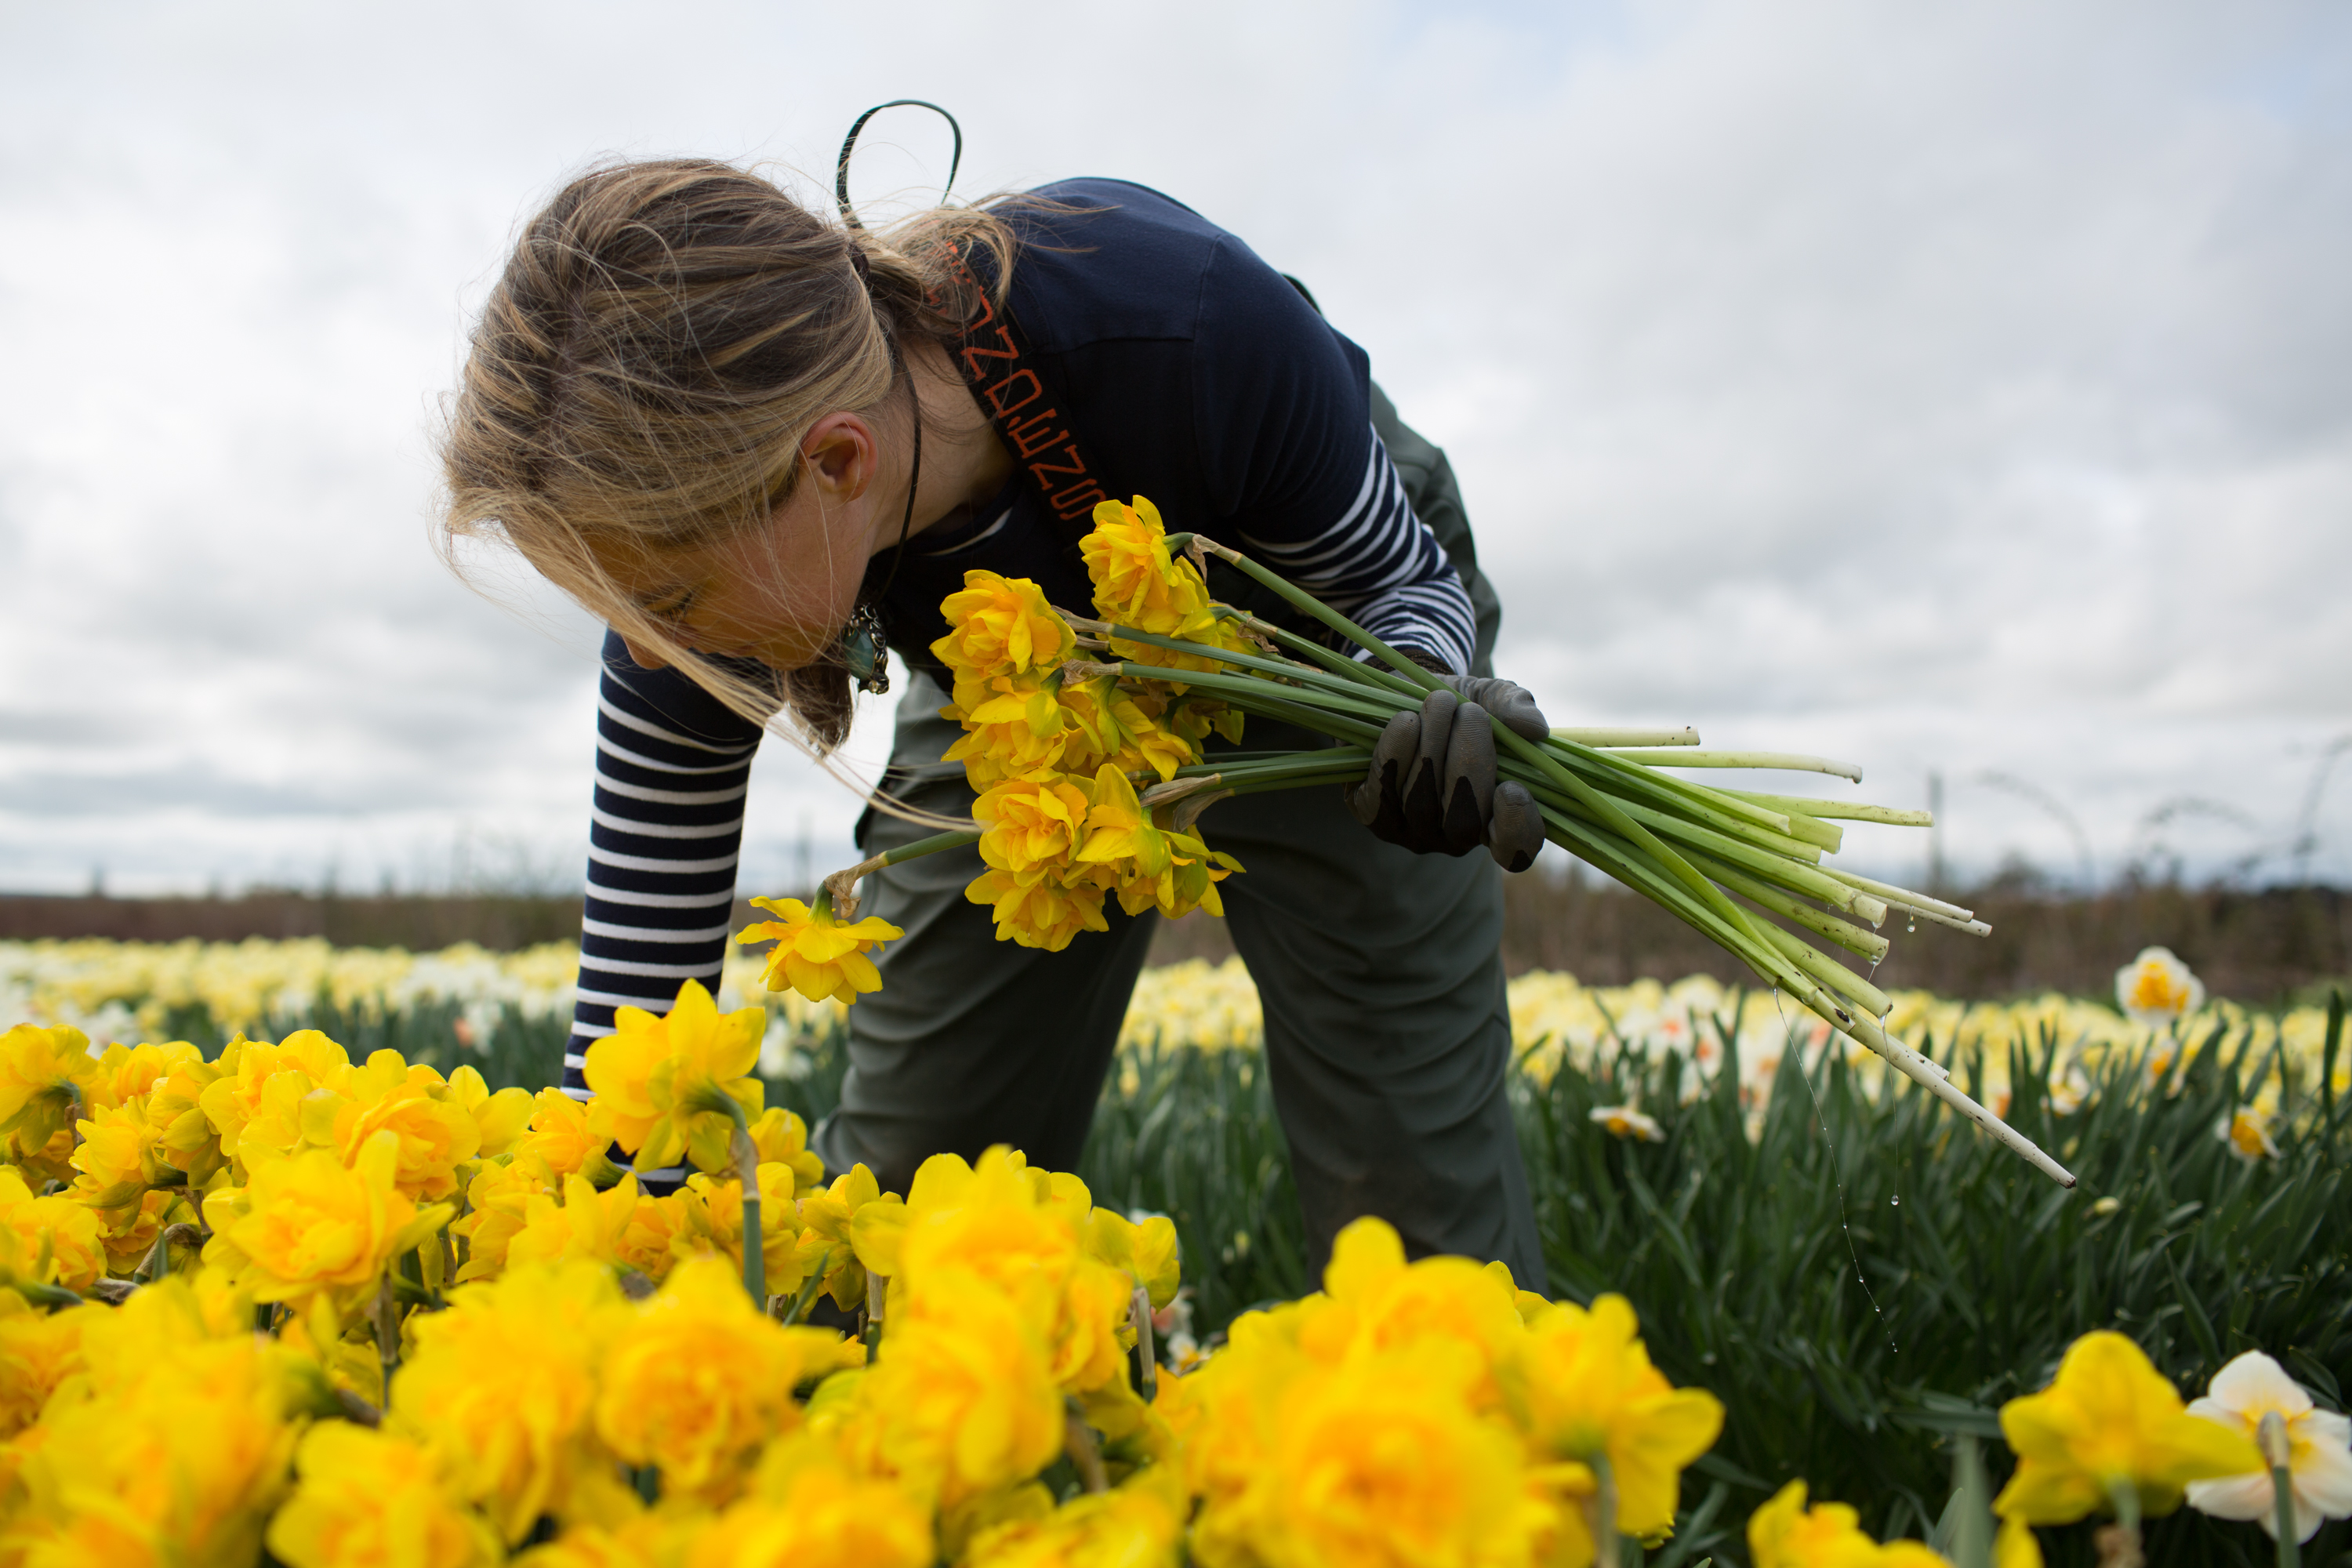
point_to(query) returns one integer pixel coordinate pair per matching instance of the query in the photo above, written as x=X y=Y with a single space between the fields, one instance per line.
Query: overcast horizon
x=1965 y=392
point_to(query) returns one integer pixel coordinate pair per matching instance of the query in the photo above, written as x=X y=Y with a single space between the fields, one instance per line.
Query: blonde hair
x=664 y=336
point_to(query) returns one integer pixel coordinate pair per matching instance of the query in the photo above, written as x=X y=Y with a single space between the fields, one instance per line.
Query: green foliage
x=1864 y=1281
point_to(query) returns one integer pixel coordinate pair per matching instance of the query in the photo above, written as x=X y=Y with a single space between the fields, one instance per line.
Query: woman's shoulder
x=1104 y=259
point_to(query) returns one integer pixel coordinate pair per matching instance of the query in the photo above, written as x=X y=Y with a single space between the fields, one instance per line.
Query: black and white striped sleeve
x=673 y=764
x=1280 y=418
x=1379 y=565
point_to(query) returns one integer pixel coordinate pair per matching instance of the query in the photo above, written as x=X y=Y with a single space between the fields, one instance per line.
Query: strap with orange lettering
x=1030 y=414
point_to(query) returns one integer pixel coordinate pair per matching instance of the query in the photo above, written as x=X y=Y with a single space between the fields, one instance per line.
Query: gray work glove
x=1433 y=786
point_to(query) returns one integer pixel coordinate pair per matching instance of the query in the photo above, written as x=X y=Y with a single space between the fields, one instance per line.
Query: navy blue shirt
x=1197 y=376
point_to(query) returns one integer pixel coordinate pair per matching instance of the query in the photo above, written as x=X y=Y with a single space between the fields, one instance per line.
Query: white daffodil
x=1627 y=1122
x=2155 y=988
x=2320 y=1449
x=2247 y=1131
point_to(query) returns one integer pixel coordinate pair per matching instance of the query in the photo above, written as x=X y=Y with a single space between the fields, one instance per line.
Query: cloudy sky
x=1961 y=390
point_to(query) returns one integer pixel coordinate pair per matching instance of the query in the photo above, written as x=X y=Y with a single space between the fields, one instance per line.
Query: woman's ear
x=842 y=456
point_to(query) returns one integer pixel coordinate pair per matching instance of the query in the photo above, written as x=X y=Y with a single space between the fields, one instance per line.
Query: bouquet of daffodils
x=1084 y=739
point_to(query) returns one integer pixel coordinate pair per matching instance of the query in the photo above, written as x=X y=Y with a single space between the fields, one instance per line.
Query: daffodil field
x=301 y=1262
x=1805 y=1248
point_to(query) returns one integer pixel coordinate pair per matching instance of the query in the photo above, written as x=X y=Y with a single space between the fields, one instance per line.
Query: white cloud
x=1966 y=390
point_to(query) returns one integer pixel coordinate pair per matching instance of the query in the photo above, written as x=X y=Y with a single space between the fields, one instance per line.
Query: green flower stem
x=1332 y=659
x=1829 y=972
x=1789 y=761
x=387 y=1333
x=954 y=839
x=708 y=1097
x=1301 y=599
x=2278 y=1452
x=1732 y=838
x=839 y=891
x=1934 y=909
x=1616 y=819
x=1852 y=938
x=1257 y=664
x=1599 y=763
x=1333 y=758
x=1629 y=864
x=746 y=1172
x=1604 y=1512
x=2124 y=1547
x=1360 y=703
x=1843 y=811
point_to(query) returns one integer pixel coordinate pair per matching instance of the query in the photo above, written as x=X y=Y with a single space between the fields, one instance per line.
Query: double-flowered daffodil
x=816 y=953
x=663 y=1075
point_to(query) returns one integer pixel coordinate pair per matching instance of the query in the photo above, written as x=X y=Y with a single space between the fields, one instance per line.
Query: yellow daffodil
x=816 y=954
x=1017 y=1231
x=1018 y=727
x=570 y=1136
x=372 y=1499
x=718 y=1224
x=1139 y=1523
x=662 y=1073
x=43 y=1077
x=827 y=1217
x=1381 y=1461
x=809 y=1507
x=309 y=1228
x=1583 y=1382
x=502 y=1385
x=117 y=1158
x=184 y=1136
x=52 y=1240
x=388 y=1095
x=2155 y=988
x=1785 y=1533
x=957 y=1404
x=1000 y=626
x=587 y=1224
x=498 y=1204
x=1147 y=1251
x=1034 y=910
x=129 y=1234
x=2109 y=1424
x=661 y=1231
x=126 y=1073
x=1032 y=824
x=1157 y=868
x=177 y=1453
x=2319 y=1447
x=1137 y=583
x=780 y=1138
x=38 y=1350
x=500 y=1119
x=696 y=1380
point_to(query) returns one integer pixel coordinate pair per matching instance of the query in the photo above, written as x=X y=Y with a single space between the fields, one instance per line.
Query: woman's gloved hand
x=1433 y=786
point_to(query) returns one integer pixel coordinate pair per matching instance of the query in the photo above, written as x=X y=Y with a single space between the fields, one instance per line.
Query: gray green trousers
x=1387 y=1034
